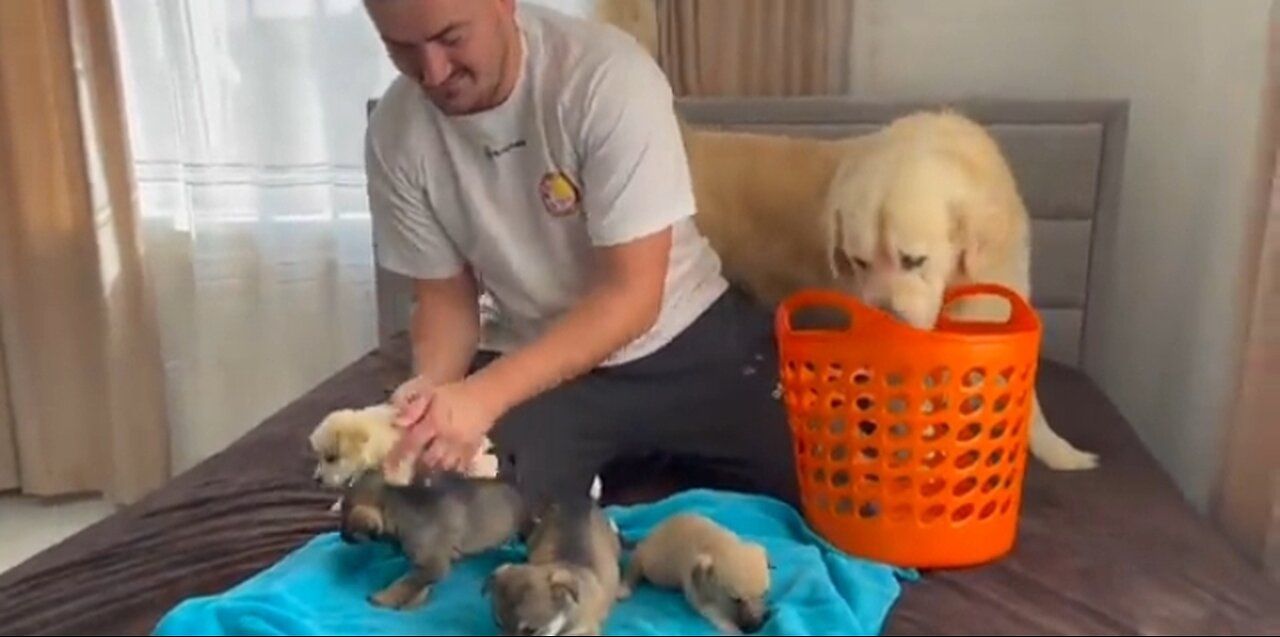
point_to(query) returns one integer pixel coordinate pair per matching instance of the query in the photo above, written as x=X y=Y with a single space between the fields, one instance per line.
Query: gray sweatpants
x=705 y=400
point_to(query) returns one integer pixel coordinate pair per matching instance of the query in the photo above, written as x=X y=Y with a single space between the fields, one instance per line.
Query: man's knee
x=550 y=447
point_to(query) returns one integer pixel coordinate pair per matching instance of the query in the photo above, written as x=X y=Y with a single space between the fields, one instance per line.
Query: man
x=536 y=157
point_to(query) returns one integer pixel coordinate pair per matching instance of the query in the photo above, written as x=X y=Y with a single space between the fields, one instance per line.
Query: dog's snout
x=888 y=308
x=751 y=617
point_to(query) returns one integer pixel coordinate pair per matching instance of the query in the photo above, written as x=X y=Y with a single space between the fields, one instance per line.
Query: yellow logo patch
x=559 y=194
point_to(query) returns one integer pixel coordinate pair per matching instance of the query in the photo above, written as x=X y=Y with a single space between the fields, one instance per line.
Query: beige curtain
x=1249 y=499
x=756 y=47
x=82 y=400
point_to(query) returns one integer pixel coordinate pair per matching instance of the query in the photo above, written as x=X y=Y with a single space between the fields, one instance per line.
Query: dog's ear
x=704 y=571
x=981 y=231
x=351 y=440
x=841 y=195
x=564 y=588
x=486 y=587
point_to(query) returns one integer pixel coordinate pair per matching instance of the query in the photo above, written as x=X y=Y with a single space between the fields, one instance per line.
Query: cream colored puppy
x=930 y=204
x=723 y=577
x=349 y=442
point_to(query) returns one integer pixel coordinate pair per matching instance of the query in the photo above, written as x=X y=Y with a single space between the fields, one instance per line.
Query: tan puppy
x=725 y=578
x=928 y=204
x=570 y=583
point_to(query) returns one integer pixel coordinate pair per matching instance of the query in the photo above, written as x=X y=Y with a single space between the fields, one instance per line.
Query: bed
x=1113 y=551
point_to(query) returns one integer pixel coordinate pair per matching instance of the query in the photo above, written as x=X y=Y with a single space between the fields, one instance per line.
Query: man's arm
x=445 y=328
x=410 y=241
x=635 y=186
x=621 y=305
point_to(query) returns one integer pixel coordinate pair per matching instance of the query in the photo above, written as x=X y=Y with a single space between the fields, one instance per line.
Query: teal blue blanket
x=321 y=588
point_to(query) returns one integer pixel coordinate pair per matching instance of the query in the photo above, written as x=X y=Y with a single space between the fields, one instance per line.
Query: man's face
x=459 y=51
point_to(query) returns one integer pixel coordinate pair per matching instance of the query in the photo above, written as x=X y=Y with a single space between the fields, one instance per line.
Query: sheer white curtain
x=247 y=119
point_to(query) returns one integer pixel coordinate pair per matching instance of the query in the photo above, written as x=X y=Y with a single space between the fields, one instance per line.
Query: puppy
x=434 y=525
x=349 y=442
x=725 y=578
x=570 y=583
x=929 y=203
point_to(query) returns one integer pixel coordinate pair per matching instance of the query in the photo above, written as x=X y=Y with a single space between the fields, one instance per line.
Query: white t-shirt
x=586 y=152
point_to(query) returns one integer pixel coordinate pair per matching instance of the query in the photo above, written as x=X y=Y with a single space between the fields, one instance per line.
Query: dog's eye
x=330 y=458
x=910 y=262
x=861 y=263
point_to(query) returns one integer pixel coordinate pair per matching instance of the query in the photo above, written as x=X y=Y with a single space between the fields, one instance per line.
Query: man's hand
x=410 y=400
x=450 y=431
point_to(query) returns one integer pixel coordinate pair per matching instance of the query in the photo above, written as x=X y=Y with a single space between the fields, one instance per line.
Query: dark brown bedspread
x=1110 y=552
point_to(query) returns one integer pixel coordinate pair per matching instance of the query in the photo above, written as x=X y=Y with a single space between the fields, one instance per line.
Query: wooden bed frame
x=1067 y=156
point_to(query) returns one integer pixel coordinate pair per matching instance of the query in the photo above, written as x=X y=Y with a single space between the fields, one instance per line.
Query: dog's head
x=533 y=599
x=736 y=586
x=909 y=220
x=348 y=442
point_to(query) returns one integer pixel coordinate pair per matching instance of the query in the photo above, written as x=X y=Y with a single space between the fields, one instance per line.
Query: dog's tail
x=637 y=17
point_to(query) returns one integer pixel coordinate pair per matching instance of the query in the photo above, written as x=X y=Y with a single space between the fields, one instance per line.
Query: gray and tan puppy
x=433 y=524
x=570 y=583
x=725 y=578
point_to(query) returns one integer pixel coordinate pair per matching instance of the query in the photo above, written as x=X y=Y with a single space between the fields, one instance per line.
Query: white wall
x=1194 y=70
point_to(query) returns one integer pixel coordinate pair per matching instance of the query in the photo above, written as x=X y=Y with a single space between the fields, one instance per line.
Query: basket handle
x=1021 y=315
x=858 y=312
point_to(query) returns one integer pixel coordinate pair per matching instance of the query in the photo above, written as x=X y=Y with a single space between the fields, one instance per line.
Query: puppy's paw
x=400 y=597
x=399 y=474
x=624 y=592
x=723 y=625
x=483 y=466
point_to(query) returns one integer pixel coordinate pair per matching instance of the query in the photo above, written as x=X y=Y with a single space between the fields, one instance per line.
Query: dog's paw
x=399 y=474
x=1059 y=455
x=400 y=597
x=483 y=466
x=1056 y=452
x=1071 y=459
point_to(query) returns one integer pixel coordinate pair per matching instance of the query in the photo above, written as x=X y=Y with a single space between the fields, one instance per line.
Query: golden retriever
x=895 y=217
x=930 y=203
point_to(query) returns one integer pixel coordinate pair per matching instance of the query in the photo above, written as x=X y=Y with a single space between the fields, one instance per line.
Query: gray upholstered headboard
x=1067 y=156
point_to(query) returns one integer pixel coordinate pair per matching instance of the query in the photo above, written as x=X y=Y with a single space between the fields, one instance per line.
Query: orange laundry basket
x=911 y=445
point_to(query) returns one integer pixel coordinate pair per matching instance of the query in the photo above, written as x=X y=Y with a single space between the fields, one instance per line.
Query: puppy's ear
x=564 y=587
x=704 y=571
x=351 y=440
x=486 y=588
